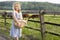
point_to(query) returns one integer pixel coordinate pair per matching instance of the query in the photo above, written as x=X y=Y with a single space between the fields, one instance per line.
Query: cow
x=34 y=16
x=9 y=14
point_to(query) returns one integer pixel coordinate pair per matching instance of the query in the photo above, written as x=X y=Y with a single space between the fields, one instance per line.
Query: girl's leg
x=20 y=32
x=16 y=38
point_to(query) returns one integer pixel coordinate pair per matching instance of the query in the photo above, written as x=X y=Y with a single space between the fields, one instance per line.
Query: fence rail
x=45 y=22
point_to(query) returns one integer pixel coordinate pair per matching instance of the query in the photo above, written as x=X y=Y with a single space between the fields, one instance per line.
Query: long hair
x=15 y=4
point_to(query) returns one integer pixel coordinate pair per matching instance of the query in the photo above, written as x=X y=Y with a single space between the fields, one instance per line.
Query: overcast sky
x=51 y=1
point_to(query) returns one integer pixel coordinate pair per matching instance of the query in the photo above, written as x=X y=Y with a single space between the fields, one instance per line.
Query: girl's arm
x=23 y=19
x=21 y=16
x=14 y=17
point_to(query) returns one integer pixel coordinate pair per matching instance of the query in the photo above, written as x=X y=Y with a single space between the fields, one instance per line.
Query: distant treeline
x=31 y=5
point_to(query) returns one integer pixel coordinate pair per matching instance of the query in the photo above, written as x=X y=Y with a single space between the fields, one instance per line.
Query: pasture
x=33 y=34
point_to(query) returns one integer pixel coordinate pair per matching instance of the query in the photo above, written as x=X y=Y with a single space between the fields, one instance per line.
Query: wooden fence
x=42 y=24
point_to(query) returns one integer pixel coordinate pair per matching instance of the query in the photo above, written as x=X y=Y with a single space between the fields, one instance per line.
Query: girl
x=16 y=32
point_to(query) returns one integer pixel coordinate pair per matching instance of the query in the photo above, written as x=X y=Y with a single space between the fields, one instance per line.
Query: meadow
x=33 y=34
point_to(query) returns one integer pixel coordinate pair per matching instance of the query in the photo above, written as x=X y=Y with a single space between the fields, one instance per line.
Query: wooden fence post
x=5 y=17
x=42 y=24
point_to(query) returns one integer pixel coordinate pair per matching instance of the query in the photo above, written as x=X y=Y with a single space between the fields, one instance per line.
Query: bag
x=22 y=22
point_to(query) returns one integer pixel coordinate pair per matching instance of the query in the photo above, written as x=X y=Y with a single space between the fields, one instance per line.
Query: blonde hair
x=15 y=4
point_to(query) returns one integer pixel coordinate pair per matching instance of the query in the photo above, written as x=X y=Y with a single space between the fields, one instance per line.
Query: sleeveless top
x=18 y=15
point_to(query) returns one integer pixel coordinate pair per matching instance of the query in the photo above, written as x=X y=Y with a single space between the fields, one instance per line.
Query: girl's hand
x=19 y=24
x=25 y=21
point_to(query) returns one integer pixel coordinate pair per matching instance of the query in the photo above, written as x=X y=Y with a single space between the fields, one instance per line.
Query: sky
x=51 y=1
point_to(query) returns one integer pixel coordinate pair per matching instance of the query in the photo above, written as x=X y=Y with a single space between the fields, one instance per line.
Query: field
x=33 y=34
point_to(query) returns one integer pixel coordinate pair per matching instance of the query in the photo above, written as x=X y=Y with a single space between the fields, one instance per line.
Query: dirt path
x=1 y=38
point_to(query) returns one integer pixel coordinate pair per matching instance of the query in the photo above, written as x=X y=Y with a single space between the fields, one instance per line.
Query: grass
x=33 y=33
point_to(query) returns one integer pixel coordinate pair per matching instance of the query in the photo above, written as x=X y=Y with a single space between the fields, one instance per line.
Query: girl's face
x=16 y=7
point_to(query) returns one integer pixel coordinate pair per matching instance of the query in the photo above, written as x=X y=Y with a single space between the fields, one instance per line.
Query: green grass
x=33 y=33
